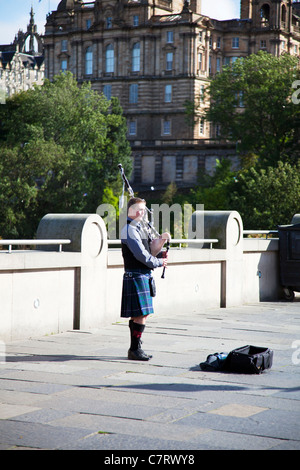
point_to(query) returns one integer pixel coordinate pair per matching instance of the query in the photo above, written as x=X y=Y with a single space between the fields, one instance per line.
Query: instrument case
x=249 y=360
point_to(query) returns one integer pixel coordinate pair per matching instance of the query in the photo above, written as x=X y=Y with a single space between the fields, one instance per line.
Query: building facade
x=157 y=57
x=22 y=62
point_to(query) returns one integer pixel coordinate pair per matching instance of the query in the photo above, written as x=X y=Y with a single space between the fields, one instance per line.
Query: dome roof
x=65 y=5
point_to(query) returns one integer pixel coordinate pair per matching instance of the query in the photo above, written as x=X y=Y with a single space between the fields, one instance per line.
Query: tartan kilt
x=136 y=297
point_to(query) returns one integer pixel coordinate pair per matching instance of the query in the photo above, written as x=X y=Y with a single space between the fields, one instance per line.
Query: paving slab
x=78 y=391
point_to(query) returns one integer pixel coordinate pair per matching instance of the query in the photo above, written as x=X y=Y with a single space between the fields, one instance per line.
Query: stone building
x=22 y=62
x=156 y=56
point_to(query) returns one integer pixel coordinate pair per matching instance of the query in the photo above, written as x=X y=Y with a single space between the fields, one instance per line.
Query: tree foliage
x=251 y=101
x=213 y=190
x=264 y=197
x=60 y=145
x=269 y=197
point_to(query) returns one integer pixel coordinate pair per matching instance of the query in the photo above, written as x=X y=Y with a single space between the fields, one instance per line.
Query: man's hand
x=166 y=236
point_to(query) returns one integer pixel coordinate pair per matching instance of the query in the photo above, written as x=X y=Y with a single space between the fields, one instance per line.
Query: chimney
x=246 y=9
x=195 y=6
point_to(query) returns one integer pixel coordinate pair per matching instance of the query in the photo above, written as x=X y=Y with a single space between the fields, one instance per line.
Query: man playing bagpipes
x=141 y=256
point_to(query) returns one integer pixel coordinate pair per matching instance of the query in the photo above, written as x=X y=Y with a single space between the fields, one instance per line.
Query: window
x=265 y=15
x=109 y=59
x=283 y=14
x=237 y=99
x=64 y=45
x=133 y=93
x=135 y=20
x=88 y=61
x=201 y=127
x=263 y=44
x=200 y=60
x=170 y=37
x=64 y=65
x=218 y=64
x=132 y=127
x=108 y=22
x=136 y=57
x=218 y=42
x=235 y=43
x=241 y=99
x=190 y=169
x=166 y=127
x=202 y=92
x=168 y=93
x=168 y=169
x=88 y=23
x=169 y=61
x=107 y=91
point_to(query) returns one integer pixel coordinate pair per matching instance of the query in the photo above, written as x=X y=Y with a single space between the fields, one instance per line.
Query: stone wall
x=43 y=291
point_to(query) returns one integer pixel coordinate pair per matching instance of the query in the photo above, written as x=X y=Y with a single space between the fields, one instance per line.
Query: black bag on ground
x=249 y=360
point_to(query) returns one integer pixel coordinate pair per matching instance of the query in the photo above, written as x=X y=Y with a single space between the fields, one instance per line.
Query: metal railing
x=179 y=241
x=11 y=243
x=194 y=241
x=260 y=232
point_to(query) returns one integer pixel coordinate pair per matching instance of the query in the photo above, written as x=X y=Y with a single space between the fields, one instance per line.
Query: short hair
x=135 y=200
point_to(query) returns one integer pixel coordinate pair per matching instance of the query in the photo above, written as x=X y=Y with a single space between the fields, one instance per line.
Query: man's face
x=137 y=211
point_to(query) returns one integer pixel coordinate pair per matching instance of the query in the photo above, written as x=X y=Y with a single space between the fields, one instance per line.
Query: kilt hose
x=136 y=297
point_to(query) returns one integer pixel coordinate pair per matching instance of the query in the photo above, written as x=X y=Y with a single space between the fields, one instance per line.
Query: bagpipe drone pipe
x=156 y=241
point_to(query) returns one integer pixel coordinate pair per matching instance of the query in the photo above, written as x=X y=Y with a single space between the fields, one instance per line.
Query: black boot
x=135 y=351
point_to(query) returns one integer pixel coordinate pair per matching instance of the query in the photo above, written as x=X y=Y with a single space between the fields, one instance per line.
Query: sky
x=14 y=14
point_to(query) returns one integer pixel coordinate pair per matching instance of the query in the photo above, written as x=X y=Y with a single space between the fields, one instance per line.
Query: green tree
x=251 y=102
x=214 y=190
x=62 y=142
x=20 y=189
x=267 y=197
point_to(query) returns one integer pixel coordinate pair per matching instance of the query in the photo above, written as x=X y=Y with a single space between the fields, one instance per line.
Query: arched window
x=109 y=59
x=89 y=61
x=265 y=14
x=136 y=57
x=283 y=14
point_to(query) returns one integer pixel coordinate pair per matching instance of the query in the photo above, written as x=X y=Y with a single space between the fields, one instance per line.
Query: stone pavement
x=77 y=390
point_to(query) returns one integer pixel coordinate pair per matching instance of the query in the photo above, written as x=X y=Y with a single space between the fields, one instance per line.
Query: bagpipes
x=156 y=241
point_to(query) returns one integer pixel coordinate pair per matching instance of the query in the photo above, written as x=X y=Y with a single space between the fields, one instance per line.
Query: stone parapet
x=44 y=291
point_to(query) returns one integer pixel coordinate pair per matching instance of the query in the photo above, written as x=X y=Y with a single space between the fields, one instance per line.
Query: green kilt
x=136 y=297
